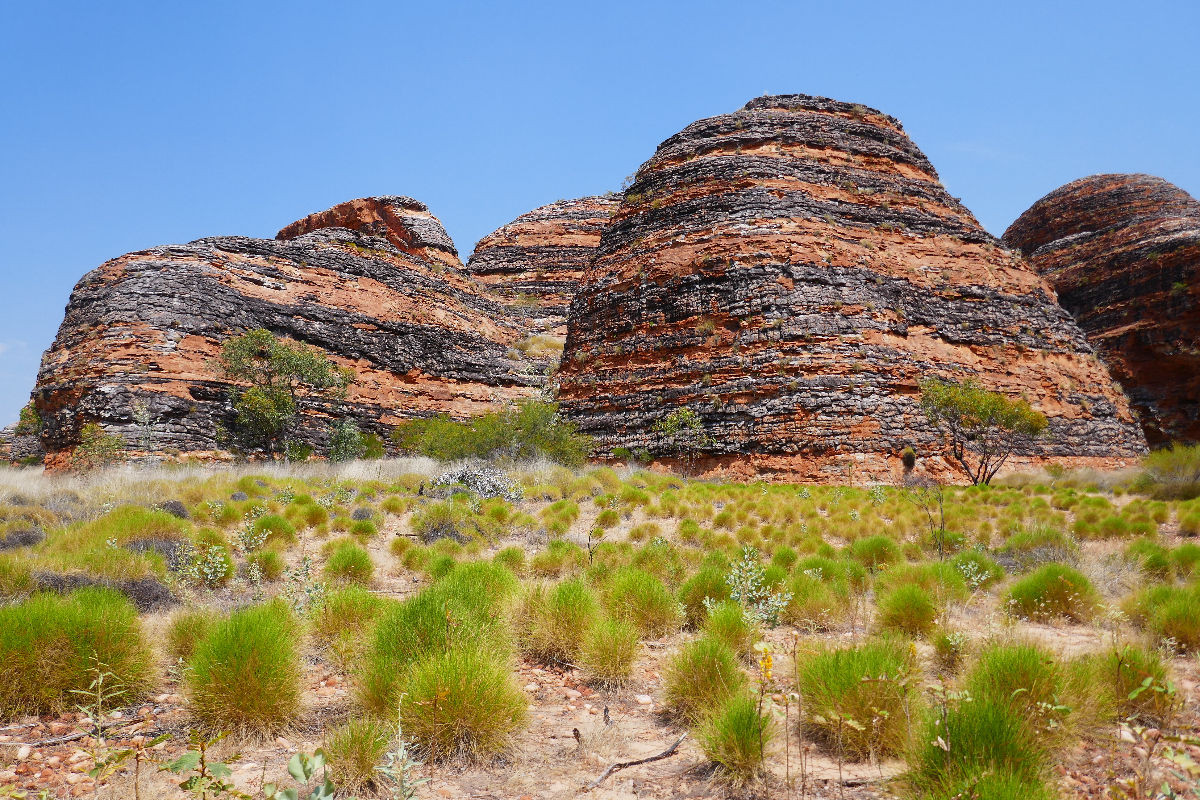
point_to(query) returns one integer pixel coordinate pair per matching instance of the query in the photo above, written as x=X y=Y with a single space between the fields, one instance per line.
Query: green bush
x=735 y=737
x=269 y=562
x=978 y=570
x=949 y=649
x=729 y=623
x=244 y=677
x=640 y=598
x=941 y=580
x=512 y=559
x=858 y=700
x=363 y=529
x=555 y=620
x=462 y=701
x=529 y=430
x=187 y=628
x=875 y=552
x=816 y=604
x=1151 y=557
x=354 y=749
x=1177 y=619
x=348 y=564
x=1053 y=591
x=1174 y=472
x=700 y=677
x=609 y=650
x=907 y=609
x=51 y=646
x=1185 y=557
x=445 y=520
x=559 y=558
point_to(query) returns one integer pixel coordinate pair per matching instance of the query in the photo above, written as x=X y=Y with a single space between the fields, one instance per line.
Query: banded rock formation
x=537 y=261
x=1123 y=253
x=790 y=272
x=137 y=347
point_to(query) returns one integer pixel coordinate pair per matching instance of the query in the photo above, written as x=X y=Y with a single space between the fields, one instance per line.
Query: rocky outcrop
x=536 y=261
x=1123 y=253
x=19 y=447
x=136 y=350
x=790 y=272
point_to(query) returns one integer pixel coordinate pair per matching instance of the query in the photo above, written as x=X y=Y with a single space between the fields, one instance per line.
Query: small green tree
x=682 y=433
x=981 y=427
x=346 y=441
x=276 y=374
x=96 y=448
x=29 y=423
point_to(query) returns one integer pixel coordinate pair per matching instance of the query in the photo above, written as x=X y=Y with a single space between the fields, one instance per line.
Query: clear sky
x=128 y=125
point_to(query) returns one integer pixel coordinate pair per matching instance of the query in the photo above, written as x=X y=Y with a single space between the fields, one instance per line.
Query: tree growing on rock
x=275 y=375
x=682 y=433
x=982 y=428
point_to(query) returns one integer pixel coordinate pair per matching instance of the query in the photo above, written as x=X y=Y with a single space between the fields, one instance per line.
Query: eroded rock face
x=790 y=272
x=17 y=447
x=536 y=261
x=136 y=350
x=1123 y=253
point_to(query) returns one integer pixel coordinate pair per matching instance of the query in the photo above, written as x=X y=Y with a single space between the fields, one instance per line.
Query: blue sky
x=128 y=125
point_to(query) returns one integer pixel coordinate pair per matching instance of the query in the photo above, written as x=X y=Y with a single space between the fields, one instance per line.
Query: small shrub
x=51 y=646
x=729 y=623
x=949 y=649
x=701 y=676
x=977 y=569
x=640 y=598
x=445 y=520
x=187 y=628
x=875 y=552
x=462 y=701
x=1053 y=591
x=907 y=609
x=609 y=650
x=245 y=675
x=354 y=750
x=858 y=699
x=735 y=738
x=349 y=563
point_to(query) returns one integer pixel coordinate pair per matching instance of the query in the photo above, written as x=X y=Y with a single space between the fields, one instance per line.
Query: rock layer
x=536 y=261
x=790 y=272
x=1123 y=253
x=136 y=349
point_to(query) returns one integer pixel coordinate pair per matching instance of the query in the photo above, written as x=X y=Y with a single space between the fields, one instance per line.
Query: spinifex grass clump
x=728 y=622
x=1025 y=676
x=355 y=749
x=1053 y=591
x=858 y=700
x=343 y=622
x=1171 y=613
x=875 y=552
x=553 y=621
x=464 y=608
x=735 y=737
x=1143 y=691
x=187 y=628
x=907 y=609
x=462 y=701
x=244 y=677
x=978 y=748
x=642 y=599
x=51 y=646
x=700 y=677
x=349 y=564
x=609 y=650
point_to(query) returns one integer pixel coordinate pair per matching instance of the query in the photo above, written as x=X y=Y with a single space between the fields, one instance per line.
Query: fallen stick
x=670 y=751
x=70 y=737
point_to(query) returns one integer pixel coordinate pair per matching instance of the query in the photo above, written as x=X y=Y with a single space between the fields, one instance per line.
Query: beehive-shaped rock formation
x=1123 y=253
x=537 y=261
x=790 y=272
x=136 y=350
